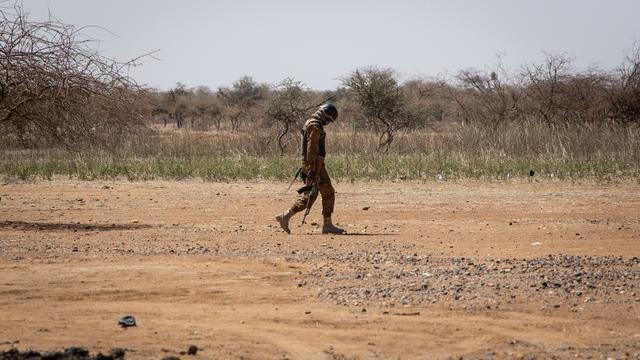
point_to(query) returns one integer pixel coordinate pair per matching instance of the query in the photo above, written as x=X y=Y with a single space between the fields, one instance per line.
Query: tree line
x=57 y=90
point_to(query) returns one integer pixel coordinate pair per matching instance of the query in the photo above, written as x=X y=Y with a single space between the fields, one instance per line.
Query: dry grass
x=605 y=152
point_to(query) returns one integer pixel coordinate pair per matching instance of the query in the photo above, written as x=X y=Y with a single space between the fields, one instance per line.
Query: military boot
x=329 y=228
x=283 y=220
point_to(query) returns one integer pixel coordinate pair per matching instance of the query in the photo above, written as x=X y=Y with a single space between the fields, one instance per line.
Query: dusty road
x=435 y=270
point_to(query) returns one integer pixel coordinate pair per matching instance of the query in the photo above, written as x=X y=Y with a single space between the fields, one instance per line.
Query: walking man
x=313 y=153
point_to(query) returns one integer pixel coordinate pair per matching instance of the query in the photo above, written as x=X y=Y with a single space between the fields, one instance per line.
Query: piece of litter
x=127 y=321
x=536 y=243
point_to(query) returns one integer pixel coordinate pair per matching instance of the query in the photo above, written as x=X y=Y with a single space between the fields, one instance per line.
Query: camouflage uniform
x=313 y=153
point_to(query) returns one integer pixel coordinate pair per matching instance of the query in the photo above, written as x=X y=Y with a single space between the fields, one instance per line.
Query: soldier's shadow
x=367 y=234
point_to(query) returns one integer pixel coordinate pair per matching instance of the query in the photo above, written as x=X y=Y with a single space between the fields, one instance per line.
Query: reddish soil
x=434 y=270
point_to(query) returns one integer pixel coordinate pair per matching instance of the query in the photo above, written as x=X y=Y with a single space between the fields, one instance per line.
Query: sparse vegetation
x=72 y=113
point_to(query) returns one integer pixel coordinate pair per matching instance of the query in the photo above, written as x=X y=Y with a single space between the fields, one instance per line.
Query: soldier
x=313 y=153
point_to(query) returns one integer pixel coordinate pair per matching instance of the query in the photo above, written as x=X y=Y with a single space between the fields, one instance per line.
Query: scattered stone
x=72 y=353
x=77 y=352
x=118 y=353
x=192 y=350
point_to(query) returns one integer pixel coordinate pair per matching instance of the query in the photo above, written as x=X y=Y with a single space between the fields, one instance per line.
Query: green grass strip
x=360 y=167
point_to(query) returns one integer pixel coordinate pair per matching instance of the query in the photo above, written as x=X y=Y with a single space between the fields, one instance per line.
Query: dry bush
x=551 y=92
x=545 y=87
x=57 y=90
x=487 y=97
x=206 y=110
x=383 y=104
x=242 y=101
x=625 y=89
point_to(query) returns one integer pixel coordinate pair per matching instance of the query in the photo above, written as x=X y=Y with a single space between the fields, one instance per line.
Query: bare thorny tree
x=625 y=96
x=56 y=89
x=490 y=97
x=552 y=92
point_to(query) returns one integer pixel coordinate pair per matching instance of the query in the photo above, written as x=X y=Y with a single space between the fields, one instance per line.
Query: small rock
x=127 y=321
x=118 y=353
x=365 y=208
x=192 y=350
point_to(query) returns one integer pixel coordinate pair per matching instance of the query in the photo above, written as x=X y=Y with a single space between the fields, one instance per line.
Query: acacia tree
x=381 y=101
x=177 y=101
x=240 y=98
x=287 y=106
x=206 y=108
x=57 y=89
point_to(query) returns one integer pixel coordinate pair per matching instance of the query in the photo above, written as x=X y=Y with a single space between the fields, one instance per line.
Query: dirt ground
x=428 y=270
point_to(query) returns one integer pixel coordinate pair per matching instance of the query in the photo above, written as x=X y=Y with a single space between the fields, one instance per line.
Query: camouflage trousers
x=326 y=191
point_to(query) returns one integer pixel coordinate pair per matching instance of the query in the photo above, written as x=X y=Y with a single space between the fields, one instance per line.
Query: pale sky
x=215 y=42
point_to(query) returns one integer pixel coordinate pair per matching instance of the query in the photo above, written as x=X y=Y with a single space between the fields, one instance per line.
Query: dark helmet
x=330 y=110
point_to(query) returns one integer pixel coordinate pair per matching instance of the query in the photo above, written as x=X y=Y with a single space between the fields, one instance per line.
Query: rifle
x=312 y=194
x=294 y=178
x=322 y=102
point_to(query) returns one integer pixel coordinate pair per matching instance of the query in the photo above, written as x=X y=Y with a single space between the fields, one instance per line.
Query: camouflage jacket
x=313 y=143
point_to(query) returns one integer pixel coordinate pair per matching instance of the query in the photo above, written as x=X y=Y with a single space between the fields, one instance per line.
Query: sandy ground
x=433 y=270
